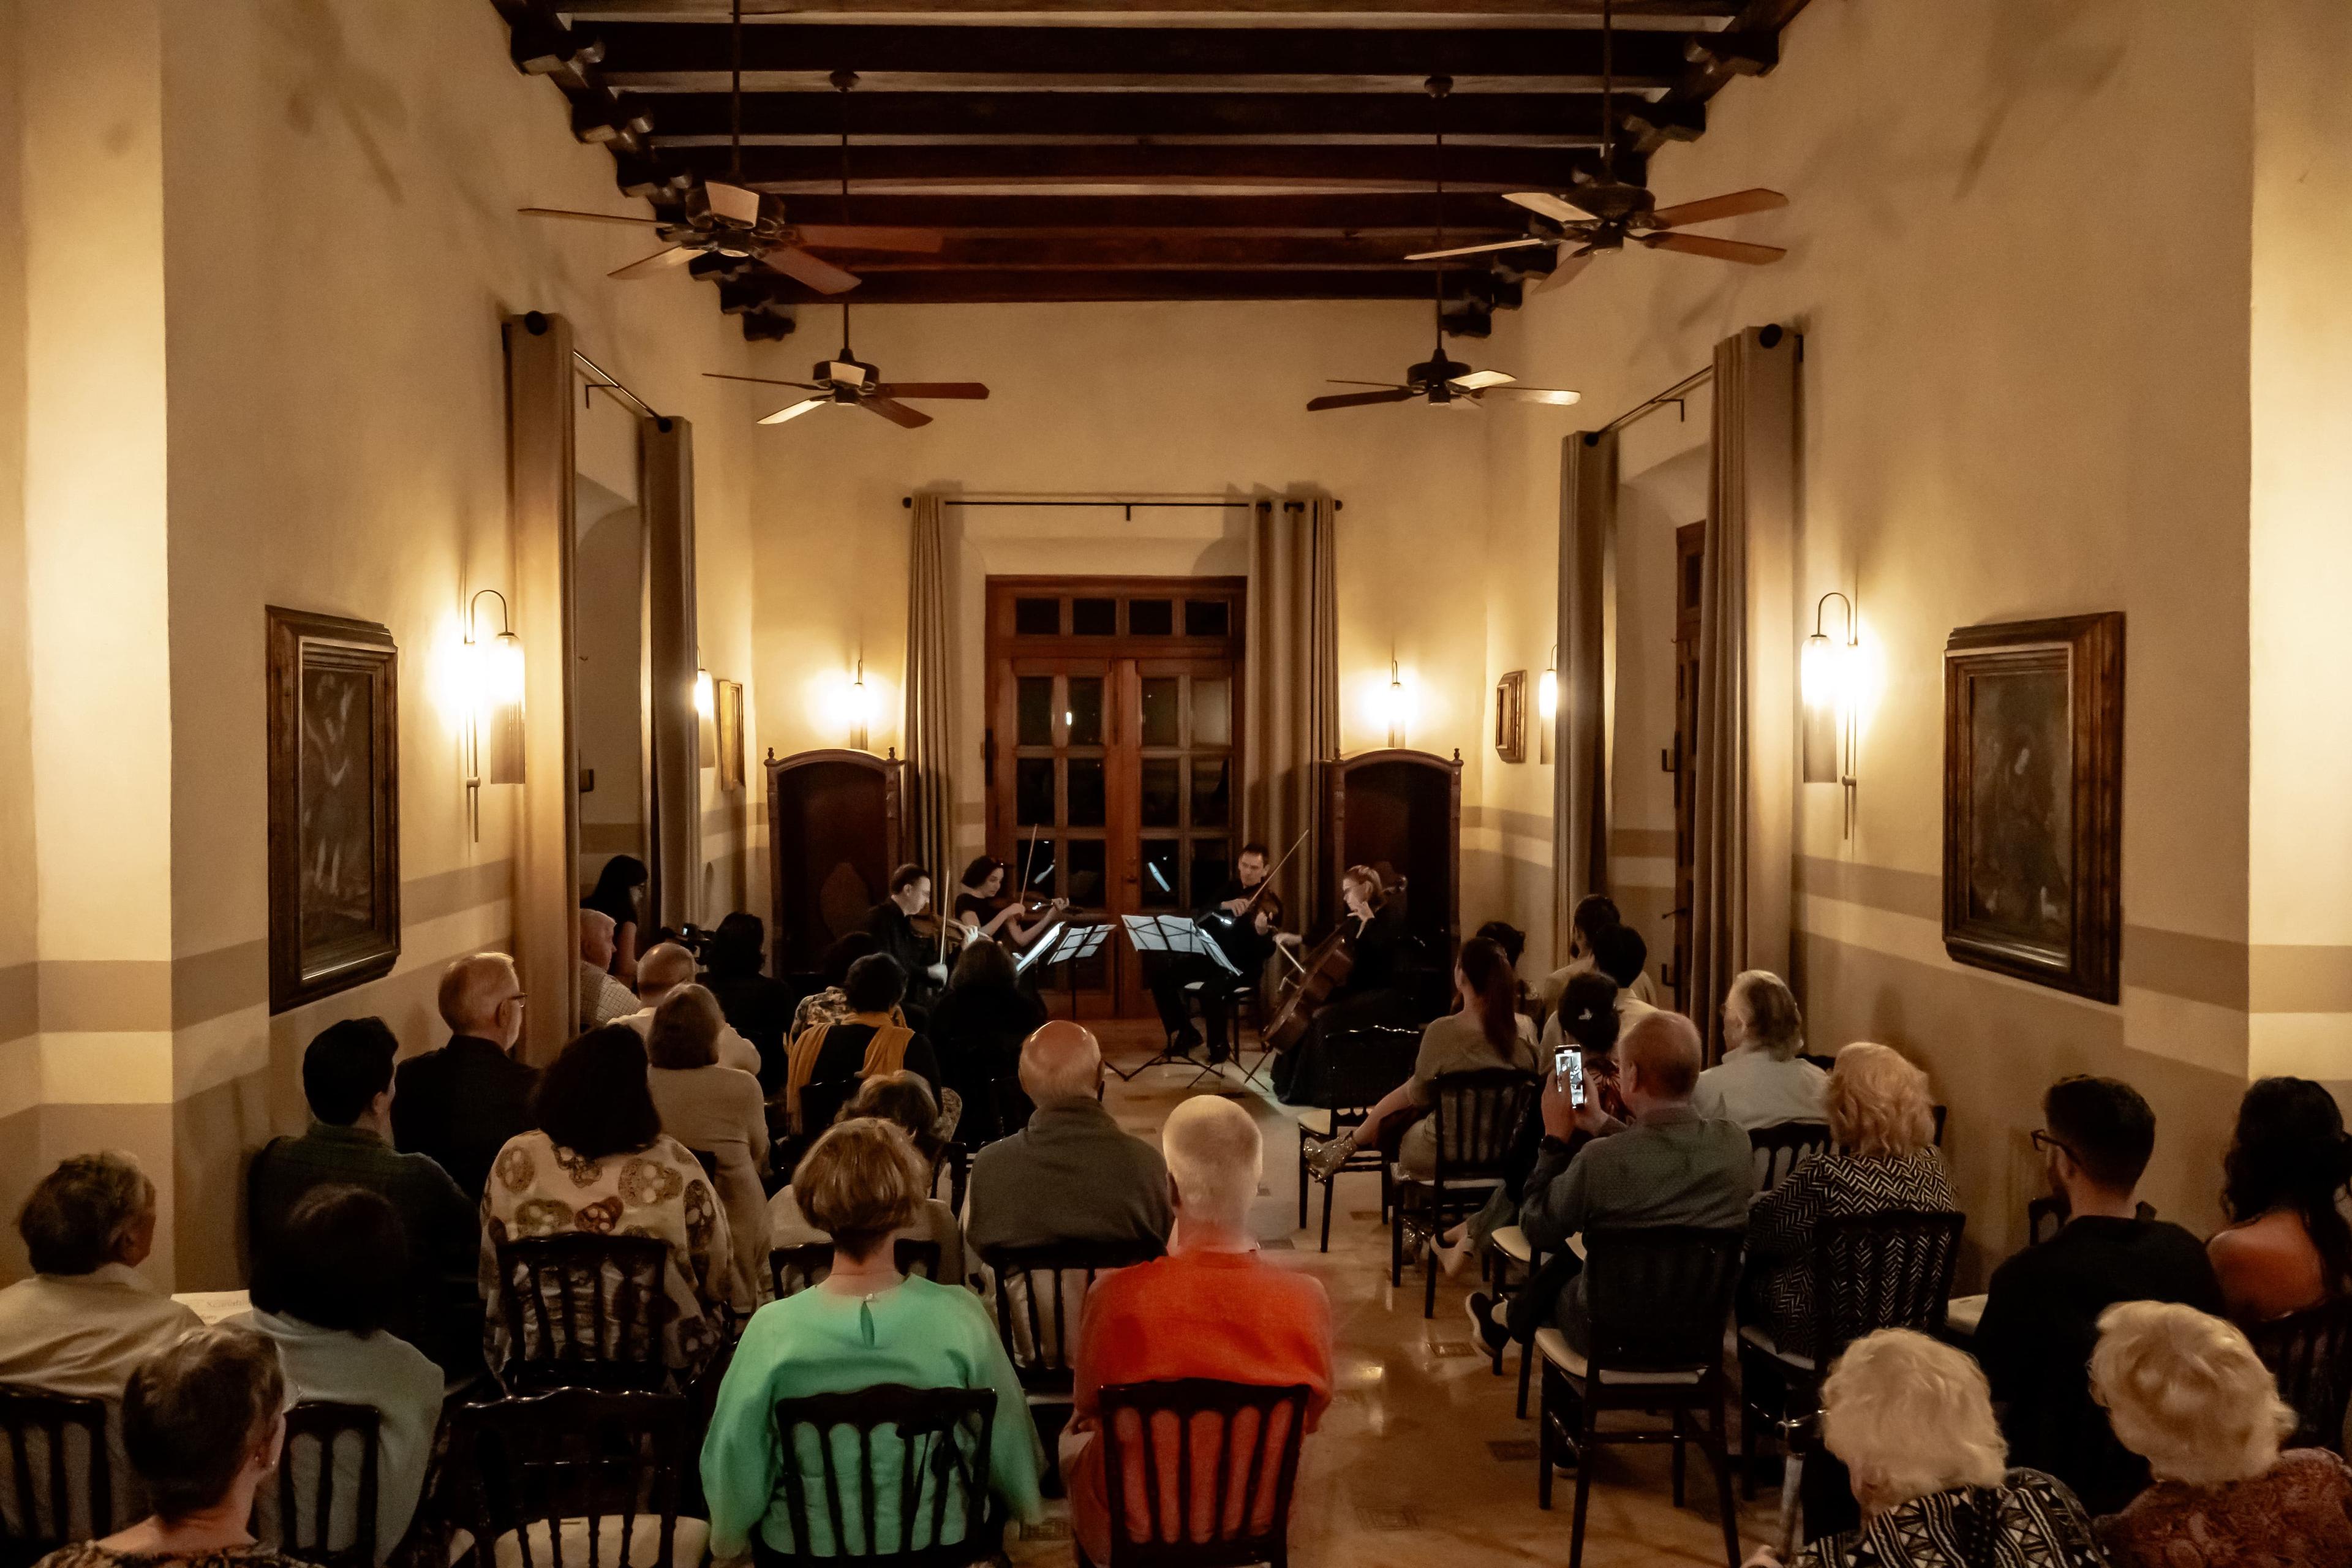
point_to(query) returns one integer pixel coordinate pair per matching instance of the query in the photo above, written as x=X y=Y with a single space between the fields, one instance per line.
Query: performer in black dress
x=1242 y=922
x=1373 y=991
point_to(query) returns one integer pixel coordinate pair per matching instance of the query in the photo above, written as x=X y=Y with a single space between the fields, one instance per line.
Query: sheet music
x=1067 y=944
x=1175 y=934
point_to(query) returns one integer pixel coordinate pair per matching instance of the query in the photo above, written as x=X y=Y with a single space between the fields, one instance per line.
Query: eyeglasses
x=2046 y=1141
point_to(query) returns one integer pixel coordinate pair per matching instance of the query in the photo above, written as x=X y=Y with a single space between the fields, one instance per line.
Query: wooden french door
x=1113 y=753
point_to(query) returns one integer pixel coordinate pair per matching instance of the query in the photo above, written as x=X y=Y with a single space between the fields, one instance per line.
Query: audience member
x=715 y=1110
x=2042 y=1311
x=2186 y=1392
x=460 y=1104
x=603 y=998
x=2288 y=1246
x=1513 y=943
x=757 y=1007
x=1594 y=913
x=615 y=896
x=322 y=1299
x=977 y=1030
x=1881 y=1157
x=203 y=1423
x=831 y=1004
x=902 y=1100
x=891 y=924
x=666 y=966
x=1914 y=1424
x=599 y=1164
x=1212 y=1307
x=865 y=1324
x=1071 y=1174
x=870 y=1042
x=348 y=1079
x=1761 y=1078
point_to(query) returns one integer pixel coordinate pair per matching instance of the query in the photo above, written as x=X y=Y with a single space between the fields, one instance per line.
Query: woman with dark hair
x=320 y=1295
x=831 y=1006
x=615 y=894
x=600 y=1163
x=2288 y=1246
x=983 y=908
x=977 y=1030
x=758 y=1007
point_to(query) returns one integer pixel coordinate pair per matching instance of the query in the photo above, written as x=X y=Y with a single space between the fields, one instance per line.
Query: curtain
x=1588 y=524
x=1744 y=768
x=1291 y=702
x=930 y=696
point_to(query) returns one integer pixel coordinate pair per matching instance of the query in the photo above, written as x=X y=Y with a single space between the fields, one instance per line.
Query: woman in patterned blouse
x=599 y=1162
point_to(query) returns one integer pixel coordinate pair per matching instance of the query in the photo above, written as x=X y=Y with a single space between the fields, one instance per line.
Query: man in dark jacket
x=461 y=1103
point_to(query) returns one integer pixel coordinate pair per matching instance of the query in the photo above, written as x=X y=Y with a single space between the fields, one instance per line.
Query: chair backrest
x=796 y=1267
x=821 y=1104
x=955 y=1159
x=1888 y=1270
x=1199 y=1473
x=1657 y=1296
x=2310 y=1355
x=708 y=1161
x=938 y=1436
x=1477 y=1117
x=1361 y=1065
x=303 y=1516
x=53 y=1489
x=1782 y=1147
x=584 y=1309
x=1010 y=1106
x=2046 y=1217
x=527 y=1463
x=1039 y=1292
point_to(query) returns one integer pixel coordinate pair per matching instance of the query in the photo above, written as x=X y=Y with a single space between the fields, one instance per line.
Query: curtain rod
x=611 y=382
x=1648 y=406
x=1126 y=504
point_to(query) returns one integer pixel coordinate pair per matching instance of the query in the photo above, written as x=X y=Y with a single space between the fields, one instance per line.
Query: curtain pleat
x=1588 y=522
x=931 y=694
x=1291 y=706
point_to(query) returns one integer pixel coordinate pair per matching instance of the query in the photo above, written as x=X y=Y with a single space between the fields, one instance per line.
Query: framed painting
x=730 y=734
x=334 y=805
x=1511 y=717
x=2034 y=741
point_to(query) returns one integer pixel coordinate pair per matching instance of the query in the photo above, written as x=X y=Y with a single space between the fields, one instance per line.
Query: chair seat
x=1315 y=1122
x=1399 y=1175
x=1553 y=1346
x=1763 y=1341
x=1963 y=1314
x=689 y=1545
x=1512 y=1243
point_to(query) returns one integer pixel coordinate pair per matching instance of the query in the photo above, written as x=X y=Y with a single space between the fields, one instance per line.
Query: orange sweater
x=1224 y=1315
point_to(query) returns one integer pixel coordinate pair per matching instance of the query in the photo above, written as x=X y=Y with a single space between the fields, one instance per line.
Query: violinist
x=1244 y=922
x=983 y=910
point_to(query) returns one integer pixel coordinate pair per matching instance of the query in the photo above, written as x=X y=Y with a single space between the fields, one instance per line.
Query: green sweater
x=919 y=1333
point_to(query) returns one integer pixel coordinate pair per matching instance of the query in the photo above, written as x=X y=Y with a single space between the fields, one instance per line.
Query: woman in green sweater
x=865 y=1325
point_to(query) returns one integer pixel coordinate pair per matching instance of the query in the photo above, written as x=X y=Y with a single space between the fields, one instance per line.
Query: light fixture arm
x=1821 y=604
x=1839 y=741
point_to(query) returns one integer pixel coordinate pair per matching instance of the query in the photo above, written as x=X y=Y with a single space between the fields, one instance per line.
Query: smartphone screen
x=1568 y=1062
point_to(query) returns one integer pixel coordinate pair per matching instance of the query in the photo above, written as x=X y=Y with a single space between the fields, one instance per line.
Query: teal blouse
x=916 y=1332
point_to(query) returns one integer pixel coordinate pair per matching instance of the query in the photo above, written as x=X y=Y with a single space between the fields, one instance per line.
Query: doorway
x=1113 y=755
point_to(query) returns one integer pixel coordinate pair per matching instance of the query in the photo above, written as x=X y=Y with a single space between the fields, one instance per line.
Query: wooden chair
x=1011 y=1103
x=954 y=1159
x=821 y=1105
x=1657 y=1298
x=2310 y=1355
x=1219 y=1463
x=1507 y=1249
x=2045 y=1217
x=1476 y=1117
x=796 y=1267
x=576 y=1478
x=945 y=1520
x=584 y=1311
x=1040 y=1291
x=53 y=1491
x=1360 y=1067
x=303 y=1518
x=1782 y=1147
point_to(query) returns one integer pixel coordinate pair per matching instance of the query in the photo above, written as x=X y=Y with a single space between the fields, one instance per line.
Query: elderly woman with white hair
x=1763 y=1078
x=2187 y=1393
x=1913 y=1421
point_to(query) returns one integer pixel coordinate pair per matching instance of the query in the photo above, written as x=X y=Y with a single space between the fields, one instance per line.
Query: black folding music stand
x=1064 y=945
x=1169 y=936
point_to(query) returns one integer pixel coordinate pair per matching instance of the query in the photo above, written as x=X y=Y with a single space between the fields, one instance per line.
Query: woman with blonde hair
x=1883 y=1158
x=2186 y=1392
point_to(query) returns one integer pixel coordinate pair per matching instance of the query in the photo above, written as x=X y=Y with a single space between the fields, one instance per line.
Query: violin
x=1325 y=969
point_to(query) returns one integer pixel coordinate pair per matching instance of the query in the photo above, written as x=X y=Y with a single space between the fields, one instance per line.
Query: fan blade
x=800 y=266
x=1477 y=249
x=1565 y=271
x=1479 y=380
x=588 y=217
x=896 y=412
x=1540 y=393
x=1559 y=209
x=762 y=380
x=1392 y=385
x=1708 y=244
x=1360 y=399
x=794 y=410
x=659 y=261
x=970 y=390
x=732 y=203
x=869 y=237
x=1738 y=204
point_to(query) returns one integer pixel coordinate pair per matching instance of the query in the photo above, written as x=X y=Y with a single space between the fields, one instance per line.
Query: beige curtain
x=1744 y=771
x=1588 y=524
x=931 y=696
x=1291 y=700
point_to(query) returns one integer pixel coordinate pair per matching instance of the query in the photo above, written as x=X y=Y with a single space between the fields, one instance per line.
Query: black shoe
x=1185 y=1041
x=1491 y=1334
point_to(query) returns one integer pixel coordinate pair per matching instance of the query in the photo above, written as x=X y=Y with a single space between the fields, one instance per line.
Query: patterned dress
x=538 y=1188
x=2297 y=1514
x=90 y=1554
x=2030 y=1520
x=1830 y=1186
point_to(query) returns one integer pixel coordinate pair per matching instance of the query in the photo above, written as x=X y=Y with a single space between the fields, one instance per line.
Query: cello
x=1325 y=970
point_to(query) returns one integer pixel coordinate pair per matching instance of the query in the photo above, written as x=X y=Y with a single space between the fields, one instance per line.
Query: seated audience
x=2042 y=1309
x=1213 y=1307
x=1513 y=943
x=2288 y=1246
x=615 y=896
x=1913 y=1423
x=460 y=1104
x=1619 y=956
x=663 y=970
x=1761 y=1080
x=865 y=1324
x=1486 y=1032
x=757 y=1007
x=891 y=924
x=831 y=1004
x=1881 y=1157
x=320 y=1299
x=977 y=1029
x=599 y=1164
x=871 y=1041
x=203 y=1423
x=1071 y=1174
x=901 y=1099
x=2185 y=1393
x=1594 y=913
x=603 y=998
x=348 y=1079
x=715 y=1110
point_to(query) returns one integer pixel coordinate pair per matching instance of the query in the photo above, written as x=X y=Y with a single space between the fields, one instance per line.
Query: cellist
x=1252 y=914
x=1371 y=930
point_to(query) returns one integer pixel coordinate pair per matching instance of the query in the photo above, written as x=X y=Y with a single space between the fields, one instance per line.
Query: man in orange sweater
x=1210 y=1309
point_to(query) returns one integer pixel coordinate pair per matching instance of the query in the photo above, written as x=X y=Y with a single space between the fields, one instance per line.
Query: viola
x=1325 y=969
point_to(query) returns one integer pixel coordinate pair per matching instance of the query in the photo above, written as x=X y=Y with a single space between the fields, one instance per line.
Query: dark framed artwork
x=1511 y=717
x=2033 y=743
x=334 y=805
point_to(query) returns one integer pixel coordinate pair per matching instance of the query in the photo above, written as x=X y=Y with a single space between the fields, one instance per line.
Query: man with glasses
x=2042 y=1313
x=461 y=1103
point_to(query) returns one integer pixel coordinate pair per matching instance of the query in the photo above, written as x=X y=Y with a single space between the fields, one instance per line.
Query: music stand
x=1171 y=936
x=1068 y=944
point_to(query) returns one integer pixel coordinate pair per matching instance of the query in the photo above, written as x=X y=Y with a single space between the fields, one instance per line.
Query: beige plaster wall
x=19 y=945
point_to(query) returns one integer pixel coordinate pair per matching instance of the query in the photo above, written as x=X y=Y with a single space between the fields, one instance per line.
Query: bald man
x=662 y=971
x=1071 y=1175
x=603 y=998
x=461 y=1103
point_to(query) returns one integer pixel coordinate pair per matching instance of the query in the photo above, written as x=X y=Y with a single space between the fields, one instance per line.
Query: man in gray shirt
x=1071 y=1175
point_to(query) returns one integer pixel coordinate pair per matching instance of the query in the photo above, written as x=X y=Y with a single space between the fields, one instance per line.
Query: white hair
x=2185 y=1390
x=1216 y=1155
x=1910 y=1416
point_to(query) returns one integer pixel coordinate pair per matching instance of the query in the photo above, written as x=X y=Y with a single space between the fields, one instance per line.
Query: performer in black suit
x=891 y=922
x=1242 y=922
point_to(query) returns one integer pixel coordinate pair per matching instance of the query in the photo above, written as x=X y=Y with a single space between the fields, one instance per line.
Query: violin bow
x=1276 y=867
x=1028 y=863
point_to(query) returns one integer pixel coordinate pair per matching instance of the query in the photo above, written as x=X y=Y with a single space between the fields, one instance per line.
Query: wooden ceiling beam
x=1203 y=166
x=1151 y=250
x=1748 y=46
x=1475 y=216
x=975 y=287
x=1243 y=13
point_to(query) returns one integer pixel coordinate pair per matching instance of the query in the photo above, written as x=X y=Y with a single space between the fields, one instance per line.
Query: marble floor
x=1420 y=1457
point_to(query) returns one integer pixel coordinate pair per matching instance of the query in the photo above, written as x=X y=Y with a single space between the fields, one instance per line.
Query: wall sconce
x=494 y=676
x=861 y=709
x=1399 y=704
x=1828 y=674
x=1548 y=705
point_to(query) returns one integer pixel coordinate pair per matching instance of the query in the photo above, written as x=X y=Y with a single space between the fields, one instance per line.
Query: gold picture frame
x=1511 y=717
x=730 y=734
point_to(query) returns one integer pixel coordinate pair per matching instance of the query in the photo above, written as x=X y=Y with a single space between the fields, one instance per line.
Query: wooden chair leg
x=1429 y=1258
x=1587 y=1429
x=1302 y=1178
x=1396 y=1247
x=1678 y=1463
x=1543 y=1435
x=1527 y=1355
x=1724 y=1505
x=1328 y=1187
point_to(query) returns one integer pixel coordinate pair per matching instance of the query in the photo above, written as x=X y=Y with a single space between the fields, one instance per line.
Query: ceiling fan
x=1438 y=381
x=1601 y=213
x=724 y=218
x=848 y=381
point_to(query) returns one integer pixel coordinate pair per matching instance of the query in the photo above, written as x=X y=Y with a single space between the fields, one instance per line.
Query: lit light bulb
x=1548 y=696
x=704 y=703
